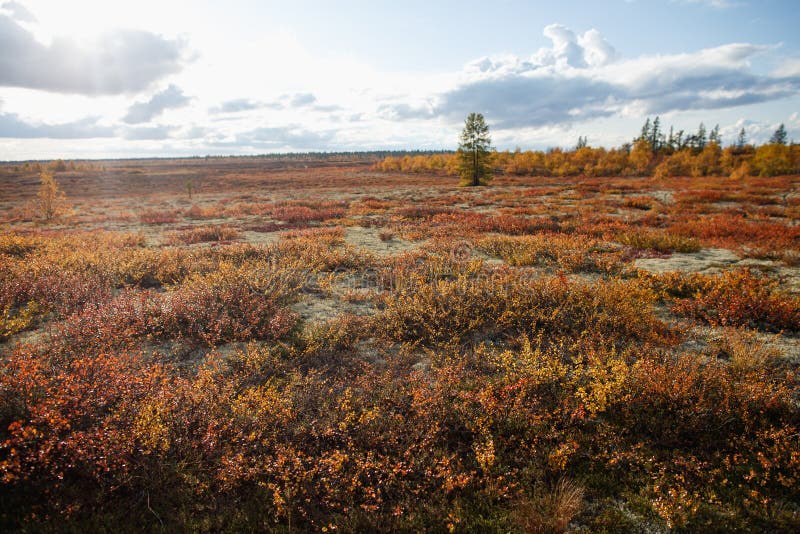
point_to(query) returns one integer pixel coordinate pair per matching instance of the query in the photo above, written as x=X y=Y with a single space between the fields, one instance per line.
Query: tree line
x=654 y=152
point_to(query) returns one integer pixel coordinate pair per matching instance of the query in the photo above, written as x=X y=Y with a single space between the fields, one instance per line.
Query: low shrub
x=305 y=213
x=204 y=234
x=741 y=298
x=152 y=216
x=228 y=304
x=659 y=241
x=454 y=311
x=17 y=245
x=203 y=212
x=572 y=253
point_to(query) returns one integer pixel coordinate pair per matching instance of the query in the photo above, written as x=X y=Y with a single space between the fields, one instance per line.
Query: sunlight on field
x=320 y=344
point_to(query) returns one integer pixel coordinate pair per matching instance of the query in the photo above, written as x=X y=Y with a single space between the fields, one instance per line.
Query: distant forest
x=654 y=152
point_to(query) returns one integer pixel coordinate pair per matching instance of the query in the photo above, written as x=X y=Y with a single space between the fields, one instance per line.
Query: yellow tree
x=641 y=157
x=50 y=199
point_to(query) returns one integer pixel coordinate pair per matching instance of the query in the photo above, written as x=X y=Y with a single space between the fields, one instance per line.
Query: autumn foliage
x=637 y=159
x=407 y=358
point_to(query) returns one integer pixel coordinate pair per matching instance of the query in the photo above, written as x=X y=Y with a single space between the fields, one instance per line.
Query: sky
x=114 y=78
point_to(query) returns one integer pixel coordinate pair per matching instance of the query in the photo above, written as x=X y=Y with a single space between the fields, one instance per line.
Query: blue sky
x=90 y=78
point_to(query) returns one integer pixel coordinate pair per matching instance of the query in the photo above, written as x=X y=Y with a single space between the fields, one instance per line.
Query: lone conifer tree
x=741 y=140
x=474 y=151
x=780 y=136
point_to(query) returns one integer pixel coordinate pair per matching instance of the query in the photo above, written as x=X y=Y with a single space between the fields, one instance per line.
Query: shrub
x=50 y=199
x=298 y=213
x=446 y=311
x=659 y=241
x=204 y=234
x=550 y=511
x=228 y=304
x=735 y=231
x=639 y=202
x=17 y=245
x=153 y=216
x=199 y=212
x=741 y=298
x=15 y=321
x=572 y=253
x=67 y=423
x=52 y=290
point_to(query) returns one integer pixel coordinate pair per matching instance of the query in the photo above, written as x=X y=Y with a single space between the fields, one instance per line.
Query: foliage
x=659 y=241
x=571 y=253
x=651 y=154
x=497 y=364
x=204 y=234
x=504 y=303
x=50 y=199
x=741 y=299
x=153 y=216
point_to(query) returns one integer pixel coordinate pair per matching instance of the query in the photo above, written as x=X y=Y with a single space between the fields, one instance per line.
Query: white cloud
x=582 y=77
x=788 y=68
x=268 y=91
x=289 y=137
x=170 y=98
x=235 y=106
x=760 y=131
x=302 y=99
x=12 y=126
x=155 y=133
x=121 y=61
x=596 y=50
x=18 y=11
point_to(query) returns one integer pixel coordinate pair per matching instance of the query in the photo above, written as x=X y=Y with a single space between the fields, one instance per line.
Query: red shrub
x=70 y=420
x=734 y=231
x=307 y=212
x=152 y=216
x=54 y=289
x=740 y=298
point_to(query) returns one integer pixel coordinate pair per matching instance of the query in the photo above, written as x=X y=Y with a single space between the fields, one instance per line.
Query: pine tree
x=714 y=136
x=645 y=131
x=655 y=135
x=780 y=136
x=474 y=151
x=741 y=140
x=701 y=136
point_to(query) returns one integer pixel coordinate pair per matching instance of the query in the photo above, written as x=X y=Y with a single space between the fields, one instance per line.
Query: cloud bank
x=295 y=101
x=12 y=126
x=125 y=61
x=581 y=77
x=170 y=98
x=535 y=99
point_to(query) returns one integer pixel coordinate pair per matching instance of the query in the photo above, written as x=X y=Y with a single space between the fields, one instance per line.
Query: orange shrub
x=152 y=216
x=502 y=303
x=204 y=234
x=741 y=298
x=300 y=213
x=734 y=231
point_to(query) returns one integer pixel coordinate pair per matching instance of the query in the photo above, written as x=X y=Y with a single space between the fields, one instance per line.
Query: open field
x=262 y=344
